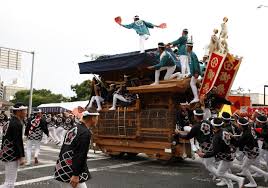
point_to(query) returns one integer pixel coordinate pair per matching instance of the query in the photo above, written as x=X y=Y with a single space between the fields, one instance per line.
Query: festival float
x=148 y=124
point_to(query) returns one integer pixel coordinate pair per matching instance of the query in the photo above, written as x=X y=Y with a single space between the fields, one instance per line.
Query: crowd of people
x=225 y=142
x=64 y=129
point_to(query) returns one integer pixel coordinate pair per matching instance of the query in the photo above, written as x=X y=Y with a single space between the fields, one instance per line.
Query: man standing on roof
x=142 y=29
x=194 y=70
x=166 y=63
x=12 y=151
x=182 y=52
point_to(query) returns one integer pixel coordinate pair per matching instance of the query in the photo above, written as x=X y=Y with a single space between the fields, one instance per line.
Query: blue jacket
x=140 y=26
x=181 y=44
x=194 y=63
x=166 y=60
x=174 y=57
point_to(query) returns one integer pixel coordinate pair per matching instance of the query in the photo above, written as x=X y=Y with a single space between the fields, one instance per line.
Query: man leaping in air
x=142 y=29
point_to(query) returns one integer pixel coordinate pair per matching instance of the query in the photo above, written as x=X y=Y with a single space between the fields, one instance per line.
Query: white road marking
x=47 y=148
x=32 y=167
x=116 y=166
x=90 y=170
x=46 y=161
x=47 y=154
x=91 y=152
x=201 y=179
x=34 y=180
x=51 y=163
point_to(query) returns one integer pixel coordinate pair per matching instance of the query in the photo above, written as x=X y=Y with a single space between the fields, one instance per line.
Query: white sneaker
x=194 y=101
x=112 y=108
x=27 y=164
x=214 y=178
x=153 y=84
x=251 y=185
x=221 y=183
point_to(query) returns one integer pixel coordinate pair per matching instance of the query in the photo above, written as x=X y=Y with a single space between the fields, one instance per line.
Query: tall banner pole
x=31 y=87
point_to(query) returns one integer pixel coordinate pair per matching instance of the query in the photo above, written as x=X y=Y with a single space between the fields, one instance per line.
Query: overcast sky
x=61 y=32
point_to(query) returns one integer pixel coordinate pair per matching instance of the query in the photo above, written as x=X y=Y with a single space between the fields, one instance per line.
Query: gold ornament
x=225 y=77
x=211 y=74
x=221 y=89
x=214 y=62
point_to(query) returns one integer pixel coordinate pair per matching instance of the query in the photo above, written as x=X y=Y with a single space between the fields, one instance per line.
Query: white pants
x=60 y=132
x=177 y=75
x=265 y=155
x=118 y=97
x=248 y=165
x=194 y=88
x=44 y=138
x=142 y=41
x=170 y=70
x=11 y=169
x=1 y=131
x=67 y=185
x=98 y=100
x=185 y=68
x=223 y=171
x=29 y=145
x=53 y=135
x=261 y=155
x=209 y=164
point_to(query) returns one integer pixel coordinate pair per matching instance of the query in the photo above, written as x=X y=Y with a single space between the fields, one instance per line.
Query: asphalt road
x=138 y=172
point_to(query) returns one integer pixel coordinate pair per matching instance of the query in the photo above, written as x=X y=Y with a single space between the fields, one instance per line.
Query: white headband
x=20 y=108
x=216 y=125
x=243 y=124
x=226 y=118
x=197 y=114
x=260 y=120
x=86 y=113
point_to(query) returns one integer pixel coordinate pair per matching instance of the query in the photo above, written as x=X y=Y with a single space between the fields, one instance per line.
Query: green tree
x=42 y=96
x=82 y=91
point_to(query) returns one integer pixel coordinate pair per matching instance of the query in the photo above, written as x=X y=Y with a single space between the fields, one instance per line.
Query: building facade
x=10 y=91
